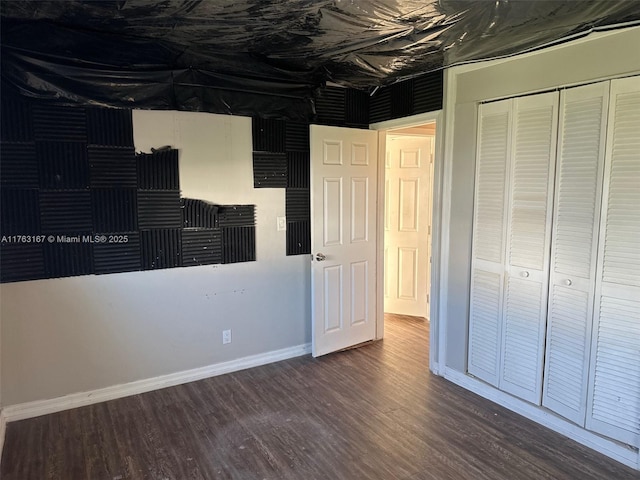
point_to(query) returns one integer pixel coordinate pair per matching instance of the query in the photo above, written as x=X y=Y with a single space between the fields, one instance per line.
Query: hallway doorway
x=408 y=193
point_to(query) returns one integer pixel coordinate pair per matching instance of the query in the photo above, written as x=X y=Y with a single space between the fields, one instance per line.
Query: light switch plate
x=282 y=224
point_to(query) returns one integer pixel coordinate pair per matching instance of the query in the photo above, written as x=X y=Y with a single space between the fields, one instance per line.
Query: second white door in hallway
x=407 y=236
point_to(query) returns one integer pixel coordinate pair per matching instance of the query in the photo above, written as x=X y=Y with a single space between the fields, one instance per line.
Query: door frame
x=436 y=333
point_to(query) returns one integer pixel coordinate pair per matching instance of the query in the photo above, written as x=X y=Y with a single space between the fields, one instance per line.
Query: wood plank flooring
x=370 y=413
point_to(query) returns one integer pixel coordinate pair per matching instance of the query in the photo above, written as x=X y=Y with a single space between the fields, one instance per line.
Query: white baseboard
x=43 y=407
x=3 y=429
x=612 y=449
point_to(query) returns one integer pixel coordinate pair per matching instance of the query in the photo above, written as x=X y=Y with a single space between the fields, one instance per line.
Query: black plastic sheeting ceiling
x=238 y=56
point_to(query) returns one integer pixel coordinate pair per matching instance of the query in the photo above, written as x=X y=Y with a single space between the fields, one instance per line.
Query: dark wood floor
x=370 y=413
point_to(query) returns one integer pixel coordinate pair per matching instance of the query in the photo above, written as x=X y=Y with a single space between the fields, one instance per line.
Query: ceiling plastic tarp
x=243 y=56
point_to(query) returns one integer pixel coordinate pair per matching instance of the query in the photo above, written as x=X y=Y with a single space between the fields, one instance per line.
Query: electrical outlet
x=226 y=337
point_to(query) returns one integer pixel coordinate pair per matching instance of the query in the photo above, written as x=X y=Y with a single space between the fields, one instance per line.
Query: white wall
x=597 y=57
x=69 y=335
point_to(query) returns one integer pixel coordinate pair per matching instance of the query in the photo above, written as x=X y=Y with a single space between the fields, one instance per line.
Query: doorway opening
x=408 y=204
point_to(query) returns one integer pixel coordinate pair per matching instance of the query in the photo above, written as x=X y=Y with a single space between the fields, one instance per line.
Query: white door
x=574 y=247
x=511 y=242
x=406 y=230
x=343 y=237
x=489 y=240
x=533 y=155
x=614 y=382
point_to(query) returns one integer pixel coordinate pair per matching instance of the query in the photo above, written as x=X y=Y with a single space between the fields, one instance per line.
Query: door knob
x=320 y=257
x=568 y=282
x=525 y=274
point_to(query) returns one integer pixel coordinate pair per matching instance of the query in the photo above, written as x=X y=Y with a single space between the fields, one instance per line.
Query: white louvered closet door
x=614 y=380
x=574 y=247
x=489 y=231
x=533 y=152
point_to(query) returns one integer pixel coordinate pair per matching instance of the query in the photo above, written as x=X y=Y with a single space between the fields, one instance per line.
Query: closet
x=554 y=313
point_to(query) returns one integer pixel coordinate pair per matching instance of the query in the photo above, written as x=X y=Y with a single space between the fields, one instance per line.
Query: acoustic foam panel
x=159 y=209
x=298 y=169
x=380 y=105
x=59 y=124
x=297 y=137
x=356 y=109
x=298 y=237
x=330 y=106
x=402 y=99
x=298 y=221
x=160 y=248
x=269 y=170
x=15 y=120
x=20 y=212
x=236 y=215
x=343 y=107
x=428 y=93
x=410 y=97
x=66 y=212
x=62 y=165
x=268 y=135
x=18 y=165
x=238 y=244
x=198 y=213
x=114 y=209
x=158 y=170
x=68 y=259
x=112 y=166
x=110 y=126
x=298 y=204
x=201 y=246
x=118 y=256
x=21 y=261
x=299 y=162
